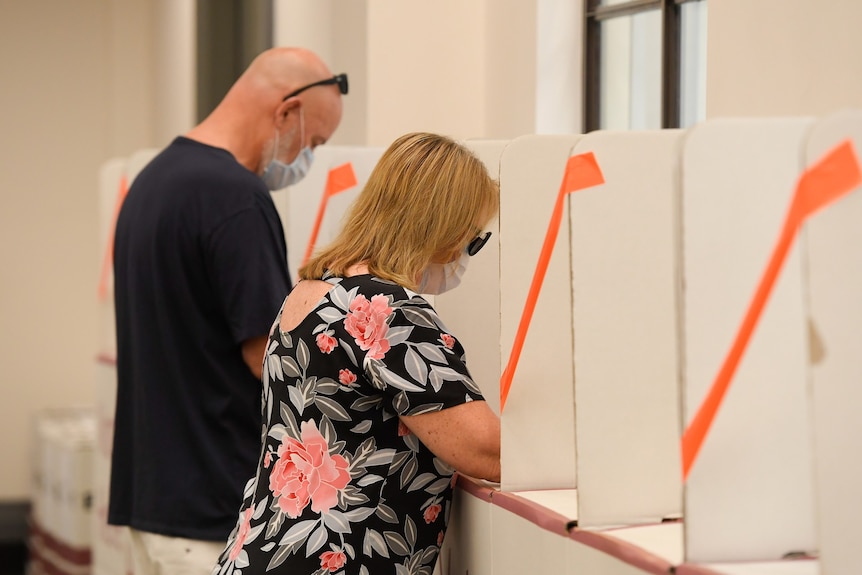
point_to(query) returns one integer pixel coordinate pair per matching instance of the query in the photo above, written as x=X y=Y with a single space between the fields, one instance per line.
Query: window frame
x=594 y=15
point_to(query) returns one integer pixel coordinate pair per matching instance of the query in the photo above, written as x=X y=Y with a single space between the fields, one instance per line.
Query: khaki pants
x=154 y=554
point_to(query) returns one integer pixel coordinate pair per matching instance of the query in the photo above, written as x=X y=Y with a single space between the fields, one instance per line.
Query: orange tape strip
x=107 y=260
x=833 y=176
x=339 y=179
x=582 y=171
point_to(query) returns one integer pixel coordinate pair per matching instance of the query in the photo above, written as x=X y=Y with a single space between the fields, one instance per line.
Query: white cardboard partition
x=472 y=312
x=467 y=547
x=749 y=495
x=298 y=205
x=790 y=567
x=520 y=546
x=111 y=554
x=109 y=543
x=833 y=238
x=110 y=175
x=138 y=162
x=663 y=540
x=538 y=427
x=625 y=281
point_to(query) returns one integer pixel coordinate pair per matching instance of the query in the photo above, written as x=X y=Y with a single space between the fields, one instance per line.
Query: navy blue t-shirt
x=200 y=266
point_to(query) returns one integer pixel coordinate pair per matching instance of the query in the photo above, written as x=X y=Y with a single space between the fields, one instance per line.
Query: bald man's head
x=285 y=70
x=257 y=122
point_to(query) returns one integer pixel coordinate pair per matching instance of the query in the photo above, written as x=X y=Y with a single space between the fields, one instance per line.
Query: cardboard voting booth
x=626 y=311
x=316 y=205
x=833 y=240
x=472 y=311
x=647 y=284
x=666 y=257
x=115 y=177
x=468 y=546
x=113 y=186
x=110 y=553
x=538 y=421
x=799 y=567
x=749 y=495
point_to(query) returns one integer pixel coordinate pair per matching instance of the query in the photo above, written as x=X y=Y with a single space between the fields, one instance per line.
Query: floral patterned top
x=342 y=485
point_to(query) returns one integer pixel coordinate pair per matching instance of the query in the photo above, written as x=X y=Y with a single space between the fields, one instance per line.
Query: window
x=645 y=64
x=230 y=33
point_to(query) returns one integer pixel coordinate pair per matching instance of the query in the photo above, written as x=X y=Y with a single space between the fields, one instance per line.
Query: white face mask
x=440 y=278
x=277 y=174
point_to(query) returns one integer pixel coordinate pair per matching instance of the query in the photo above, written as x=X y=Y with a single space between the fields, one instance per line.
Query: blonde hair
x=428 y=196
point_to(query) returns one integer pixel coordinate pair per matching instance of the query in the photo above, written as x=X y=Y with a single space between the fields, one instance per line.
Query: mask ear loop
x=301 y=135
x=301 y=129
x=275 y=147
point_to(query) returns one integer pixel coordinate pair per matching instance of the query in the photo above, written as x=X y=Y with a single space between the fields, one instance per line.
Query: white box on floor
x=75 y=469
x=45 y=433
x=111 y=555
x=63 y=502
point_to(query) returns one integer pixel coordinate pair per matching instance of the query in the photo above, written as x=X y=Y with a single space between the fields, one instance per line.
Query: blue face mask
x=277 y=174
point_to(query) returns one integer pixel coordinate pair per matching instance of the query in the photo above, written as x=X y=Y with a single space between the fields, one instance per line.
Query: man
x=200 y=273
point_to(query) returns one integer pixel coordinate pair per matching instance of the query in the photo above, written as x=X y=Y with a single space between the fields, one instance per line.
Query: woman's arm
x=466 y=436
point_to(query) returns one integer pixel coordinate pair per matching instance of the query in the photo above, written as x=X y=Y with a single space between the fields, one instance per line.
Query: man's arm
x=253 y=351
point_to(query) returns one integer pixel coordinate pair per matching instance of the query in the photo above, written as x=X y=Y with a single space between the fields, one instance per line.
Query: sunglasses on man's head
x=477 y=243
x=340 y=79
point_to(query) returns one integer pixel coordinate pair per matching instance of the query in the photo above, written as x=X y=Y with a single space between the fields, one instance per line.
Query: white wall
x=425 y=62
x=174 y=78
x=559 y=66
x=783 y=57
x=82 y=82
x=336 y=30
x=466 y=68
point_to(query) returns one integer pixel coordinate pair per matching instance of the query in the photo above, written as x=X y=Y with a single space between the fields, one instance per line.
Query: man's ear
x=284 y=109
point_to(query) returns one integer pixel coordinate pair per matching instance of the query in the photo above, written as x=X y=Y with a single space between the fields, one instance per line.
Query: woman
x=367 y=402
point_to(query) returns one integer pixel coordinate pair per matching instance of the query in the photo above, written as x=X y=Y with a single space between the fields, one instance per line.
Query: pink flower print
x=431 y=513
x=244 y=530
x=326 y=342
x=332 y=560
x=439 y=539
x=305 y=471
x=346 y=377
x=403 y=429
x=448 y=340
x=267 y=459
x=366 y=322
